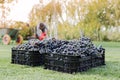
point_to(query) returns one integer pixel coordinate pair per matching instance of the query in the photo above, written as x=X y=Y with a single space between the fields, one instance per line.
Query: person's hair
x=42 y=25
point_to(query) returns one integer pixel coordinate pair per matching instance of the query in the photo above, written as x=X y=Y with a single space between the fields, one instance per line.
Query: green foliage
x=100 y=13
x=109 y=13
x=81 y=15
x=66 y=31
x=44 y=13
x=111 y=35
x=24 y=29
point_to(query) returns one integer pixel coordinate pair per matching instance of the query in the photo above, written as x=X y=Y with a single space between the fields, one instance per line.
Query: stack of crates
x=57 y=62
x=70 y=63
x=97 y=61
x=66 y=63
x=85 y=64
x=27 y=57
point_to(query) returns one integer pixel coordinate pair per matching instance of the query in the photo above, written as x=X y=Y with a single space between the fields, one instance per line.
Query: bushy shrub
x=111 y=35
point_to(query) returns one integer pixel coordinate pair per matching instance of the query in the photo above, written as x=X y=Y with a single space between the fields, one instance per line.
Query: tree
x=100 y=13
x=48 y=13
x=75 y=15
x=44 y=13
x=91 y=23
x=5 y=9
x=72 y=14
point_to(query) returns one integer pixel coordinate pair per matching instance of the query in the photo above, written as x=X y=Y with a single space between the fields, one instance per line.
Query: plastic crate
x=85 y=64
x=60 y=68
x=67 y=63
x=14 y=54
x=30 y=58
x=98 y=61
x=62 y=57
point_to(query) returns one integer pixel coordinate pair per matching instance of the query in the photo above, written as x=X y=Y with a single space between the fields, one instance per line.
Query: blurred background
x=65 y=19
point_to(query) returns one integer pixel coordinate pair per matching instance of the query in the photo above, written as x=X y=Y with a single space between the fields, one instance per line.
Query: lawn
x=111 y=71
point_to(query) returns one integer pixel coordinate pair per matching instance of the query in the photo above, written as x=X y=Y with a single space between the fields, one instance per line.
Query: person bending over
x=41 y=31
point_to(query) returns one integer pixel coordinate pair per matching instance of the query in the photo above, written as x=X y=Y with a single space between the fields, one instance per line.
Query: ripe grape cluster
x=81 y=47
x=30 y=45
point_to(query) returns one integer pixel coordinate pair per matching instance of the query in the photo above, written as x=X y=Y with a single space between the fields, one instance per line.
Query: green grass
x=111 y=71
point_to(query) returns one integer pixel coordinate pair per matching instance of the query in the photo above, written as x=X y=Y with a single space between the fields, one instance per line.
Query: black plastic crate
x=67 y=63
x=12 y=60
x=98 y=61
x=30 y=58
x=14 y=55
x=34 y=56
x=62 y=57
x=62 y=63
x=60 y=68
x=30 y=63
x=85 y=64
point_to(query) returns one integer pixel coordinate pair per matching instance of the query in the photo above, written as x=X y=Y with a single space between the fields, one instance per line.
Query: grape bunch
x=30 y=45
x=81 y=47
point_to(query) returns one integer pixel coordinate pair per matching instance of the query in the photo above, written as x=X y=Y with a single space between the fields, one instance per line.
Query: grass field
x=111 y=71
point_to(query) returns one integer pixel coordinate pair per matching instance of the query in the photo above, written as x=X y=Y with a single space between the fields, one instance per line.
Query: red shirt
x=42 y=36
